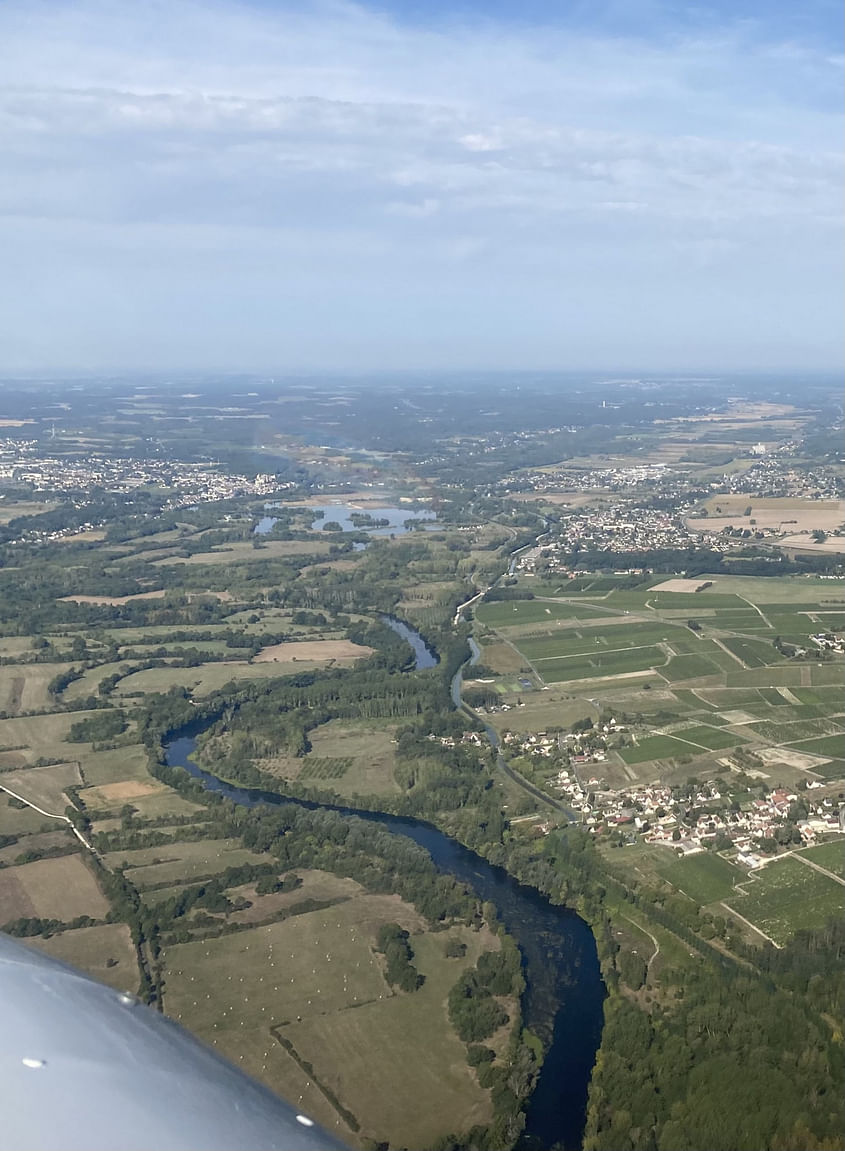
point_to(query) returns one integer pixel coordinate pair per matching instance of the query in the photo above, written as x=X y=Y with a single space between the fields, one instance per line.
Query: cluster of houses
x=189 y=483
x=827 y=641
x=775 y=475
x=656 y=814
x=653 y=812
x=619 y=528
x=608 y=479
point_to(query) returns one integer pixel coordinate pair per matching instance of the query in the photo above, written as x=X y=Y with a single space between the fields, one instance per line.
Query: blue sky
x=420 y=185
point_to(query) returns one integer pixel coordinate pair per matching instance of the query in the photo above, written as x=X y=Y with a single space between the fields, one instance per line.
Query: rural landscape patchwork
x=463 y=758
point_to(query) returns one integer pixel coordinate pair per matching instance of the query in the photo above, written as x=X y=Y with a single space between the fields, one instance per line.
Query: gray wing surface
x=86 y=1068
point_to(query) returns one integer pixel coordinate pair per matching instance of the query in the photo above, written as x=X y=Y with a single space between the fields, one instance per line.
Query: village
x=188 y=484
x=749 y=821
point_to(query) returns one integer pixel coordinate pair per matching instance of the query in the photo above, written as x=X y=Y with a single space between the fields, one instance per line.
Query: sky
x=482 y=184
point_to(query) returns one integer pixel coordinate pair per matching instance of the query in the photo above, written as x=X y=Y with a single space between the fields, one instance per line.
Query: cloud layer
x=323 y=186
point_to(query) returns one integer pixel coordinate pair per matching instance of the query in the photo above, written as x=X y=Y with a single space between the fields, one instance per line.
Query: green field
x=608 y=663
x=754 y=653
x=683 y=667
x=830 y=855
x=712 y=738
x=830 y=745
x=706 y=878
x=795 y=730
x=509 y=613
x=656 y=747
x=786 y=896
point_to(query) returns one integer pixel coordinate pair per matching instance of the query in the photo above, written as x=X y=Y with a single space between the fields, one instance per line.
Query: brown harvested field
x=60 y=888
x=44 y=786
x=122 y=791
x=10 y=511
x=808 y=544
x=681 y=585
x=206 y=678
x=316 y=650
x=788 y=515
x=801 y=760
x=315 y=975
x=542 y=710
x=364 y=753
x=113 y=600
x=91 y=948
x=500 y=657
x=246 y=553
x=23 y=687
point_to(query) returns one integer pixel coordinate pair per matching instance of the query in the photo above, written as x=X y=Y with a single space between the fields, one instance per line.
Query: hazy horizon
x=299 y=187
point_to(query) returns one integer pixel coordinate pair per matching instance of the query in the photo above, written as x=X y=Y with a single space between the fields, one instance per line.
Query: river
x=564 y=990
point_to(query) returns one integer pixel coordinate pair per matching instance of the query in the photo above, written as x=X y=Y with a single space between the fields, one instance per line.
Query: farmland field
x=556 y=669
x=175 y=862
x=44 y=786
x=830 y=745
x=705 y=878
x=366 y=751
x=105 y=952
x=314 y=981
x=60 y=888
x=714 y=739
x=23 y=687
x=204 y=679
x=753 y=652
x=656 y=747
x=786 y=896
x=830 y=855
x=508 y=613
x=683 y=667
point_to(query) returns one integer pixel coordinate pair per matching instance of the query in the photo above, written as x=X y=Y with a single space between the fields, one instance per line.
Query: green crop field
x=712 y=738
x=785 y=675
x=683 y=667
x=599 y=664
x=828 y=674
x=786 y=896
x=830 y=855
x=705 y=878
x=656 y=747
x=367 y=750
x=586 y=641
x=508 y=613
x=754 y=653
x=831 y=745
x=795 y=730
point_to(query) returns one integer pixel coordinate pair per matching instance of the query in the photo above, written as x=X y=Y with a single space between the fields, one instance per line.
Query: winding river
x=564 y=992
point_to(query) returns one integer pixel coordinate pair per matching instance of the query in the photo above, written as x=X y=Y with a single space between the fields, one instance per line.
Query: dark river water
x=564 y=992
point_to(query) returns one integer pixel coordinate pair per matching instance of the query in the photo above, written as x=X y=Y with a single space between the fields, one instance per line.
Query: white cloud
x=544 y=156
